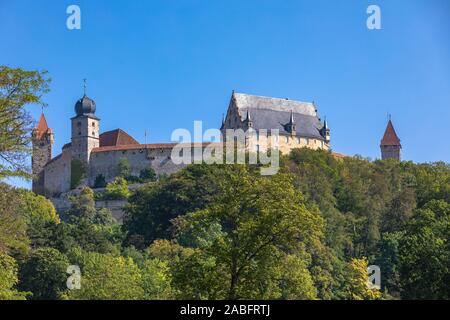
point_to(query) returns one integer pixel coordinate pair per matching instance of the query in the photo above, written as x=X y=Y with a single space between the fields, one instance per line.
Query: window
x=93 y=124
x=79 y=124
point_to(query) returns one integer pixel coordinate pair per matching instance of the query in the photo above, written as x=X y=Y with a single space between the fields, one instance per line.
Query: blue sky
x=159 y=65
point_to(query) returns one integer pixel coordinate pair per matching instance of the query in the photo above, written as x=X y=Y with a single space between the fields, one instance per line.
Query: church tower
x=85 y=129
x=42 y=140
x=390 y=144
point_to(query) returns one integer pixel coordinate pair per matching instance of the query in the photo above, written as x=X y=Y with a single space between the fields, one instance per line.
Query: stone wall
x=106 y=162
x=42 y=153
x=57 y=174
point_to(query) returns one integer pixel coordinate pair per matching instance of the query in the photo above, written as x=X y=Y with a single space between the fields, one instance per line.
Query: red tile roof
x=338 y=155
x=116 y=137
x=390 y=137
x=42 y=128
x=144 y=146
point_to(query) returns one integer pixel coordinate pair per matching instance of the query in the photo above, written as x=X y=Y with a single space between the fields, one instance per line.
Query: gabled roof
x=274 y=113
x=390 y=137
x=116 y=137
x=41 y=128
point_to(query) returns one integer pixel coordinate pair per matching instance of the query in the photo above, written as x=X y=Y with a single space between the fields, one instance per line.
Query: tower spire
x=84 y=86
x=291 y=119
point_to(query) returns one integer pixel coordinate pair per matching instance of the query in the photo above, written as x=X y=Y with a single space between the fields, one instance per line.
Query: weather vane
x=84 y=85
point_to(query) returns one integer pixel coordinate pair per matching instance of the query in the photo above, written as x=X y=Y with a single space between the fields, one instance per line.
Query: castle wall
x=57 y=174
x=106 y=162
x=287 y=143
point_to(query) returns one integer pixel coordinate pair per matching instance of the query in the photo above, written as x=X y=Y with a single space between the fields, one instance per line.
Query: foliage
x=123 y=168
x=424 y=253
x=147 y=175
x=153 y=206
x=356 y=285
x=226 y=232
x=156 y=280
x=100 y=181
x=9 y=279
x=246 y=237
x=44 y=274
x=77 y=173
x=106 y=277
x=13 y=226
x=18 y=88
x=117 y=190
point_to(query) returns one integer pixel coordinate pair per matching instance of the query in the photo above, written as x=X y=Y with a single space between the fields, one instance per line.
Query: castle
x=91 y=154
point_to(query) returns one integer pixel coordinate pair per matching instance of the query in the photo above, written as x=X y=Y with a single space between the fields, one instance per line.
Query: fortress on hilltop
x=92 y=154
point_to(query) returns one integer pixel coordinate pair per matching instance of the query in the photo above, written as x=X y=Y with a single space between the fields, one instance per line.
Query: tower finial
x=291 y=120
x=84 y=85
x=248 y=115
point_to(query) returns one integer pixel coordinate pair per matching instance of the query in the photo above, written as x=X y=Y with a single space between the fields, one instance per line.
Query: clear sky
x=158 y=65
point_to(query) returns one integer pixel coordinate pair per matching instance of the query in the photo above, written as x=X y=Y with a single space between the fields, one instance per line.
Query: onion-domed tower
x=85 y=129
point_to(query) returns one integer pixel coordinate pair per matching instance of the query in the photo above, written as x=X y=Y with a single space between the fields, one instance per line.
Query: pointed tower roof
x=42 y=127
x=291 y=119
x=248 y=116
x=390 y=137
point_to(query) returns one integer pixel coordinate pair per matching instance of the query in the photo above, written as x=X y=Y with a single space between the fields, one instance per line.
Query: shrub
x=123 y=168
x=100 y=181
x=147 y=175
x=77 y=171
x=118 y=189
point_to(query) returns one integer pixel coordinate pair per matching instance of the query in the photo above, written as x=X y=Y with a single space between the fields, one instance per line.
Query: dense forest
x=225 y=231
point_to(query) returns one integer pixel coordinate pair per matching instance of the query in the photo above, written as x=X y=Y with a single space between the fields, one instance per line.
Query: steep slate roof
x=41 y=128
x=273 y=113
x=390 y=137
x=116 y=137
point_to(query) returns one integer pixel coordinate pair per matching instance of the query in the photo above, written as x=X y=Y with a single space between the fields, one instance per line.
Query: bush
x=147 y=175
x=123 y=168
x=100 y=181
x=77 y=171
x=118 y=189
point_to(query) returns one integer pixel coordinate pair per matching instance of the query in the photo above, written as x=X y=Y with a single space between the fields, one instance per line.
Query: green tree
x=83 y=205
x=13 y=226
x=259 y=221
x=18 y=88
x=424 y=253
x=106 y=277
x=118 y=189
x=156 y=280
x=357 y=279
x=152 y=207
x=44 y=274
x=9 y=279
